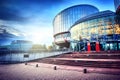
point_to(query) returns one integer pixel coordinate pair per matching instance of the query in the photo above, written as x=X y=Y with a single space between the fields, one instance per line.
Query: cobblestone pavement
x=31 y=72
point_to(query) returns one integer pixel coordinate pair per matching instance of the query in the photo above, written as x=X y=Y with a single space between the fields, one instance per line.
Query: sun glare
x=35 y=38
x=39 y=35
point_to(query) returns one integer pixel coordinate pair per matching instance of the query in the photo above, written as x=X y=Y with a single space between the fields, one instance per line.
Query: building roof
x=74 y=7
x=94 y=16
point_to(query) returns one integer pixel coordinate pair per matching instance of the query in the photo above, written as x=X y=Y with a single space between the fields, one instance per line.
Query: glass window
x=119 y=46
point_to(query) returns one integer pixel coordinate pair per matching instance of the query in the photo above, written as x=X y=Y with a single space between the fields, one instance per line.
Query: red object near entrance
x=97 y=47
x=88 y=47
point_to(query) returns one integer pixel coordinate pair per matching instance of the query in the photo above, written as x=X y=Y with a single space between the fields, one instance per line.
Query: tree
x=38 y=48
x=50 y=48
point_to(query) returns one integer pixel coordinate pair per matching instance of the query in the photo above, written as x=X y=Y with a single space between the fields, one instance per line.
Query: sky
x=35 y=17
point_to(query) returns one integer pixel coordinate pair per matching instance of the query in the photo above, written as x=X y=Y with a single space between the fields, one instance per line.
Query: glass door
x=93 y=46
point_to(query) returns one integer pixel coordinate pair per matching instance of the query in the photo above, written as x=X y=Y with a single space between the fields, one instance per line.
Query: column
x=97 y=47
x=88 y=47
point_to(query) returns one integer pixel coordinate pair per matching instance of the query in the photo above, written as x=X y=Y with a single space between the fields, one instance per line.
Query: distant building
x=21 y=45
x=8 y=34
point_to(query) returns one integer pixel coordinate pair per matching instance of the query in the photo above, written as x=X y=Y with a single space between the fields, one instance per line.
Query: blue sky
x=34 y=17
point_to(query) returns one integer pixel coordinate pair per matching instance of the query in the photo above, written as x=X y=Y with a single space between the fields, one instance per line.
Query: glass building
x=20 y=45
x=12 y=39
x=66 y=18
x=96 y=32
x=8 y=34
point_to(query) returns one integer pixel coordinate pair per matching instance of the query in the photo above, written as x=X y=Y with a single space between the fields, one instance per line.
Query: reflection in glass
x=99 y=27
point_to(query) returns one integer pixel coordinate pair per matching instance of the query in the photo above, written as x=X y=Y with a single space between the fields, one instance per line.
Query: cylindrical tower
x=66 y=18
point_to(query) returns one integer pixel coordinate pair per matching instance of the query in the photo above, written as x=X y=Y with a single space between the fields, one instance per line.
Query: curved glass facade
x=66 y=18
x=100 y=28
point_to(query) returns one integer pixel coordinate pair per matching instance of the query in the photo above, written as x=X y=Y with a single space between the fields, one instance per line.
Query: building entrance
x=93 y=46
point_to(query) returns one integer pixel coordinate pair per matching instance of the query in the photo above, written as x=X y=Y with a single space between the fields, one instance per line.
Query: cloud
x=45 y=3
x=10 y=14
x=18 y=10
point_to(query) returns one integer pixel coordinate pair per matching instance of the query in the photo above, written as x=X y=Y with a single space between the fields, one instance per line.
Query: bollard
x=36 y=65
x=55 y=67
x=84 y=70
x=25 y=63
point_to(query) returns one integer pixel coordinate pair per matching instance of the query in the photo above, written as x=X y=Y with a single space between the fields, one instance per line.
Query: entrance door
x=93 y=48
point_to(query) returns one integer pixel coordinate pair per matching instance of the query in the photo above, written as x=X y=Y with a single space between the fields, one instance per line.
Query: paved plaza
x=46 y=72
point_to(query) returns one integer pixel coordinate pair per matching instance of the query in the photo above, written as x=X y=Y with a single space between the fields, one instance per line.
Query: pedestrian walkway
x=46 y=72
x=78 y=59
x=78 y=68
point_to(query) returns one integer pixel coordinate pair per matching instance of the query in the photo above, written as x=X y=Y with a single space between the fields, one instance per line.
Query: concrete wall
x=20 y=57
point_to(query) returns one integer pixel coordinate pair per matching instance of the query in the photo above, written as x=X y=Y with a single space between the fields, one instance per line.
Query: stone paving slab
x=78 y=68
x=44 y=72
